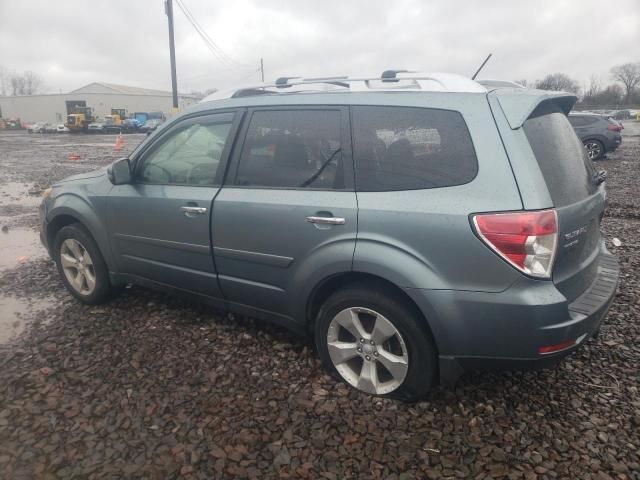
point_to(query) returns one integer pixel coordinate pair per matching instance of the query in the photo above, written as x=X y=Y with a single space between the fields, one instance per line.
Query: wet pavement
x=29 y=164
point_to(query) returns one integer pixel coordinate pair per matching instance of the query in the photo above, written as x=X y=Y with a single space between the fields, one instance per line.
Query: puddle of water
x=19 y=245
x=15 y=314
x=18 y=193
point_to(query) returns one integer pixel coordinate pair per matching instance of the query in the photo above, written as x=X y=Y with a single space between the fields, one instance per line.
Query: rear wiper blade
x=599 y=177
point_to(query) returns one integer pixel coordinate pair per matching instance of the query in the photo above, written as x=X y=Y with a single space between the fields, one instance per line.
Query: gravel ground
x=151 y=386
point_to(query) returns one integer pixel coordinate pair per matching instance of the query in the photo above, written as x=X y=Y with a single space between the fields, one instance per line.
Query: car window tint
x=403 y=148
x=577 y=121
x=292 y=149
x=563 y=161
x=187 y=156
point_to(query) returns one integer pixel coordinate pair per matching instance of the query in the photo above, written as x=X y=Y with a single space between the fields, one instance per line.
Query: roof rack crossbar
x=343 y=81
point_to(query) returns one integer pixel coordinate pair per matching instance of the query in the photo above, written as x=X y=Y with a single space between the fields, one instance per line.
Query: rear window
x=405 y=148
x=561 y=156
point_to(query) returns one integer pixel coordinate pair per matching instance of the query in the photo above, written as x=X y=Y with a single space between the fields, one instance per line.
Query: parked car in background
x=37 y=127
x=62 y=129
x=50 y=128
x=622 y=115
x=130 y=125
x=598 y=133
x=96 y=127
x=150 y=125
x=414 y=228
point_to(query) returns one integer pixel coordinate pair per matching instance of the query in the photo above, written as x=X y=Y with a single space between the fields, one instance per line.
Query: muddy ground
x=150 y=386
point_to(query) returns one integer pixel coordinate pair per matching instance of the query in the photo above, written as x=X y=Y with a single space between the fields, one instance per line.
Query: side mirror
x=120 y=172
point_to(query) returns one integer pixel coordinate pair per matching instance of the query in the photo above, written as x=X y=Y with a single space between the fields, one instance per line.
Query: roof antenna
x=481 y=66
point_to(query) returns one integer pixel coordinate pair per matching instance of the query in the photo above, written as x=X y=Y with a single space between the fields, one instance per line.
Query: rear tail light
x=558 y=347
x=614 y=128
x=527 y=240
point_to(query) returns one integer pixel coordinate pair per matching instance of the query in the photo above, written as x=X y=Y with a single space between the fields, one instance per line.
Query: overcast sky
x=74 y=42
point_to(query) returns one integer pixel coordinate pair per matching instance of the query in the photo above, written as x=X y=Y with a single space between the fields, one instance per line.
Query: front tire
x=595 y=149
x=376 y=342
x=81 y=265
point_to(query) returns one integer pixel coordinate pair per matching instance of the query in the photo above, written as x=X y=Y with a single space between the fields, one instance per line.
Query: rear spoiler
x=519 y=103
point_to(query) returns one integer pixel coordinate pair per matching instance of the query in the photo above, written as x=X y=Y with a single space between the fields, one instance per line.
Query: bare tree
x=594 y=87
x=558 y=81
x=27 y=83
x=17 y=85
x=33 y=83
x=4 y=80
x=522 y=82
x=629 y=75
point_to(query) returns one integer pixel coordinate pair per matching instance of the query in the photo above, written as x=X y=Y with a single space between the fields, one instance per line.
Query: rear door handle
x=326 y=220
x=193 y=211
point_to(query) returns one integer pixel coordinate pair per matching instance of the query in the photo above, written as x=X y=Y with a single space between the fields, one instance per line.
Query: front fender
x=74 y=205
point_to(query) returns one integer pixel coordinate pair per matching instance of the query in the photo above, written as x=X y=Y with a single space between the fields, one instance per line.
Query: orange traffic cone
x=119 y=143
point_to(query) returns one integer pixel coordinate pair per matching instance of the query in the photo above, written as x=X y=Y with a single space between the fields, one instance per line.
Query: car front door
x=160 y=224
x=288 y=210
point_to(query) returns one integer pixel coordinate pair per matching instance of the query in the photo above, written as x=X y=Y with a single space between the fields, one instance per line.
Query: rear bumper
x=613 y=143
x=504 y=331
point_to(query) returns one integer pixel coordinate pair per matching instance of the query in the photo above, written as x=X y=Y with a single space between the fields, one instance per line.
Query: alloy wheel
x=593 y=149
x=367 y=350
x=77 y=266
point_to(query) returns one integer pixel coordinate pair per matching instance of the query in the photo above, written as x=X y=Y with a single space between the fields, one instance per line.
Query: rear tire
x=376 y=342
x=595 y=149
x=81 y=265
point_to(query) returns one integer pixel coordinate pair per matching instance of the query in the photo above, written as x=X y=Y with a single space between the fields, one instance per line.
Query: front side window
x=189 y=155
x=292 y=149
x=406 y=148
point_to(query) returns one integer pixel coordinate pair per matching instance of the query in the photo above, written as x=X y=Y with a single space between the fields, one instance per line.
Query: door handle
x=193 y=211
x=326 y=220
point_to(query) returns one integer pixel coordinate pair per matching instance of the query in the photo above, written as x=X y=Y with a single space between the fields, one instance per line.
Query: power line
x=215 y=49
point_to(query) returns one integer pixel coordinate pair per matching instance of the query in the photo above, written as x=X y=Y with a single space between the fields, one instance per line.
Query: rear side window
x=292 y=149
x=405 y=148
x=577 y=121
x=561 y=156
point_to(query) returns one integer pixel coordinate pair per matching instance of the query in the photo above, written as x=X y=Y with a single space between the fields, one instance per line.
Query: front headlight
x=46 y=193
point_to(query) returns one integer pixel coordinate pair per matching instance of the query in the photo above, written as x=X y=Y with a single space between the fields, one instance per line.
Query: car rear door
x=288 y=210
x=577 y=197
x=160 y=224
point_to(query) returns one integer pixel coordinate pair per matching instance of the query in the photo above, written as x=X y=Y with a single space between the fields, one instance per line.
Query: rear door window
x=561 y=156
x=577 y=121
x=293 y=149
x=406 y=148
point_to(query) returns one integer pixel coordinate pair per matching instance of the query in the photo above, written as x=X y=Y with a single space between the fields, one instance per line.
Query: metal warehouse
x=102 y=97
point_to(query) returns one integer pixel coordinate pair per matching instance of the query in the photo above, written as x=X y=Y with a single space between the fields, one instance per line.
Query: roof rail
x=389 y=79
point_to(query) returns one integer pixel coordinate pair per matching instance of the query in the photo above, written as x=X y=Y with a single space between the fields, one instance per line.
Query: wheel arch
x=327 y=286
x=62 y=216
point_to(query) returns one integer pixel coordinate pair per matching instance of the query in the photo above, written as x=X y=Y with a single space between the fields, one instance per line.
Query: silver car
x=414 y=225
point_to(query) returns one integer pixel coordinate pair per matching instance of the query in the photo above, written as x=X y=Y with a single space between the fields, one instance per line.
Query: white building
x=102 y=97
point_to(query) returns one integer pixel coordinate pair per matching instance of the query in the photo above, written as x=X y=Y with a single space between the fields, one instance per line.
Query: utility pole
x=262 y=70
x=168 y=9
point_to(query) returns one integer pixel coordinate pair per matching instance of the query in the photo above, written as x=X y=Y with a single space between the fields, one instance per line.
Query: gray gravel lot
x=150 y=386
